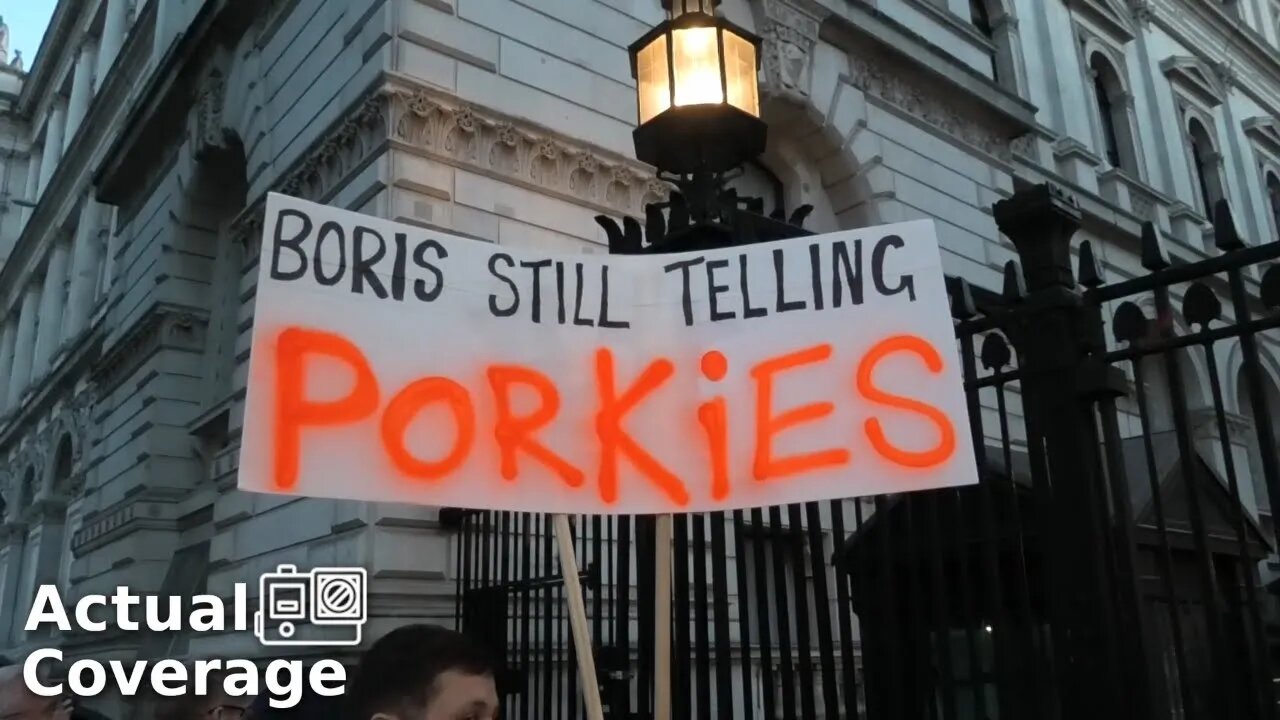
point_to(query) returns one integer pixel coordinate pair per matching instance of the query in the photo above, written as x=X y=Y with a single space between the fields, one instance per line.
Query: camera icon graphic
x=323 y=607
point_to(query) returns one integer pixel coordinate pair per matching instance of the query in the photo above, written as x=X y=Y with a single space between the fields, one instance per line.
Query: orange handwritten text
x=875 y=433
x=614 y=440
x=517 y=433
x=768 y=425
x=294 y=412
x=406 y=405
x=528 y=412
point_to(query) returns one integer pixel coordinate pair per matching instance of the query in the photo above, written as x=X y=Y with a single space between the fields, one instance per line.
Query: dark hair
x=401 y=668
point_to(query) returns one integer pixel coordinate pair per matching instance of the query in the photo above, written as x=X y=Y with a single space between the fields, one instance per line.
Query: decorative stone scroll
x=210 y=133
x=328 y=164
x=447 y=128
x=788 y=34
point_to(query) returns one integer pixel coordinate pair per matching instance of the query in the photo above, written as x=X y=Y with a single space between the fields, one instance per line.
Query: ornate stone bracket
x=1143 y=11
x=789 y=35
x=211 y=135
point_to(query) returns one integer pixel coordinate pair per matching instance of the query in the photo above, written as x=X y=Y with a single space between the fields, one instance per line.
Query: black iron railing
x=1111 y=563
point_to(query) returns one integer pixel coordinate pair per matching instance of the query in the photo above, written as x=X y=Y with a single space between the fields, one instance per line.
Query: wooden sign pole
x=662 y=619
x=578 y=620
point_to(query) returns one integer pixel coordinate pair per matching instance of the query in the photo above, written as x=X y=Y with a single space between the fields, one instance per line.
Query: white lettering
x=128 y=682
x=241 y=607
x=85 y=622
x=47 y=607
x=241 y=679
x=291 y=690
x=98 y=675
x=214 y=611
x=171 y=623
x=167 y=671
x=31 y=673
x=123 y=599
x=203 y=668
x=328 y=671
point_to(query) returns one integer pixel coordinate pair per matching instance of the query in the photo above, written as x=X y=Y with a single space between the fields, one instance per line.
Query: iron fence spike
x=1225 y=236
x=1153 y=255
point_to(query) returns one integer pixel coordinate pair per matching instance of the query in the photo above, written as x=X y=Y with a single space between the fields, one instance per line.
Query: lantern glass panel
x=680 y=7
x=653 y=79
x=696 y=57
x=740 y=73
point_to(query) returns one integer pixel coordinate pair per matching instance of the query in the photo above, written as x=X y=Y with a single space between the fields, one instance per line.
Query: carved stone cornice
x=882 y=80
x=163 y=325
x=445 y=128
x=1108 y=16
x=1195 y=78
x=347 y=146
x=1264 y=132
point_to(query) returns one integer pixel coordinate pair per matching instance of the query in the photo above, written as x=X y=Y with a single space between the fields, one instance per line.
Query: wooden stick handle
x=578 y=620
x=662 y=619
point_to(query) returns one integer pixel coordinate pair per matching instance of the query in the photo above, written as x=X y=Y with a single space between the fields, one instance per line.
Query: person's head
x=17 y=702
x=424 y=672
x=215 y=704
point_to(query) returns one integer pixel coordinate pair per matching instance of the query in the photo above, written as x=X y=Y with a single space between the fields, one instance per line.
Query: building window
x=981 y=20
x=1111 y=99
x=1273 y=200
x=1204 y=161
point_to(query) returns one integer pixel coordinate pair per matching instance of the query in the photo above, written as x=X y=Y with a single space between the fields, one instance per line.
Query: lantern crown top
x=676 y=8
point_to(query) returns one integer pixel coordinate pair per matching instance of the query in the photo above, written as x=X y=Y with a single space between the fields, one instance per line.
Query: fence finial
x=1224 y=227
x=1015 y=288
x=1040 y=222
x=1153 y=257
x=962 y=305
x=1270 y=291
x=1090 y=272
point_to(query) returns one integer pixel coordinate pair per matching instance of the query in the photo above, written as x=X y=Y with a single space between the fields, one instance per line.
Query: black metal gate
x=1113 y=562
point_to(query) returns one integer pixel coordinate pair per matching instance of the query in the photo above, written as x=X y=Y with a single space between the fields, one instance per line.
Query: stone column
x=81 y=92
x=112 y=243
x=161 y=37
x=53 y=134
x=32 y=189
x=86 y=261
x=24 y=343
x=12 y=546
x=52 y=302
x=8 y=337
x=1250 y=202
x=113 y=32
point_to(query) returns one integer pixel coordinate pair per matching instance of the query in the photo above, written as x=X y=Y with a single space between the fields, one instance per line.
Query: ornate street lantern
x=697 y=91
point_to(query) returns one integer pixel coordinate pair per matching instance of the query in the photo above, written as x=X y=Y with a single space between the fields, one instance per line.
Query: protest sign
x=395 y=363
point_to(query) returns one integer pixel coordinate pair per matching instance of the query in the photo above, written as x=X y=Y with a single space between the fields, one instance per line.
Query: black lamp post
x=698 y=101
x=697 y=91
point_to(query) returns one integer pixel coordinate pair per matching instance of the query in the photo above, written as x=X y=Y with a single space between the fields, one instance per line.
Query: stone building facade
x=143 y=142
